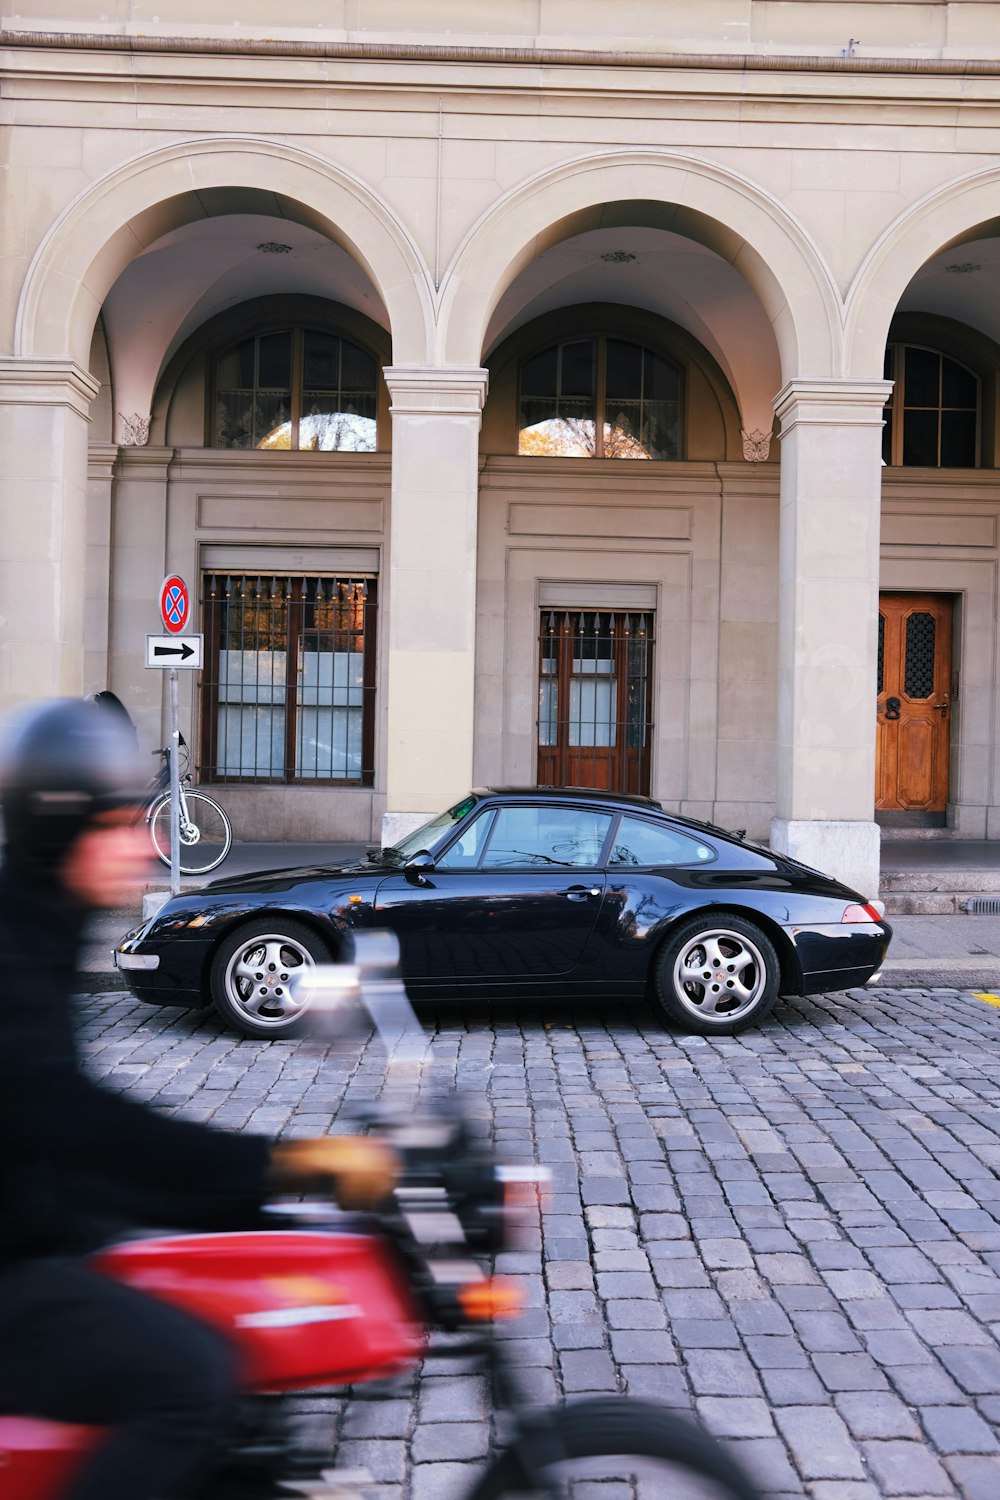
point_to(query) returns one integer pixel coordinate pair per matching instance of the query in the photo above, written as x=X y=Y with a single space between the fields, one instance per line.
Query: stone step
x=971 y=881
x=924 y=903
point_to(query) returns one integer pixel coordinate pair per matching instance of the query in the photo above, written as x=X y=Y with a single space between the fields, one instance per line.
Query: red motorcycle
x=322 y=1299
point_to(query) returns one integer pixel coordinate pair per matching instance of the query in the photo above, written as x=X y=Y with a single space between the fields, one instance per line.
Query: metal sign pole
x=175 y=788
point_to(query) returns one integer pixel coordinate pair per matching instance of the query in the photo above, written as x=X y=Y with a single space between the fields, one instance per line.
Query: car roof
x=575 y=793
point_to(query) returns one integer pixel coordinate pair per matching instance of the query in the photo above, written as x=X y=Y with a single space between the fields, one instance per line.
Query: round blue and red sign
x=175 y=604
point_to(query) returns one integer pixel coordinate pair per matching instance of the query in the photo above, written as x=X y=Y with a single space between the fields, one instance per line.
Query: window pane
x=331 y=423
x=661 y=429
x=321 y=361
x=922 y=386
x=272 y=424
x=920 y=436
x=639 y=843
x=592 y=711
x=234 y=419
x=887 y=435
x=889 y=364
x=662 y=380
x=330 y=688
x=274 y=361
x=958 y=440
x=622 y=430
x=545 y=837
x=539 y=375
x=358 y=371
x=623 y=375
x=577 y=372
x=564 y=436
x=236 y=367
x=958 y=387
x=465 y=851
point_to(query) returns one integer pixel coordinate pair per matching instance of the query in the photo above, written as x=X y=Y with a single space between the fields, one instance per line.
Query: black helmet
x=62 y=763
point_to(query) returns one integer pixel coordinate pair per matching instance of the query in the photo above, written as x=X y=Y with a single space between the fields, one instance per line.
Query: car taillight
x=857 y=912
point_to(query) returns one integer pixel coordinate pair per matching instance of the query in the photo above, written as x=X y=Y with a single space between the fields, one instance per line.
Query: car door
x=513 y=899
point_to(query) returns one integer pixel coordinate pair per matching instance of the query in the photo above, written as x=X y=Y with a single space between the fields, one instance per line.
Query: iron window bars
x=288 y=693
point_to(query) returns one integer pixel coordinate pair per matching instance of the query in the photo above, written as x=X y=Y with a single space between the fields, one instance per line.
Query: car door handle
x=581 y=892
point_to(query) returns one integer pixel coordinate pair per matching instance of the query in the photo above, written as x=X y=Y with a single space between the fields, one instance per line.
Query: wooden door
x=594 y=723
x=914 y=702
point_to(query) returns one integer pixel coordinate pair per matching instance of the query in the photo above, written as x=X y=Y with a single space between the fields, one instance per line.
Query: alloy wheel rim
x=260 y=979
x=719 y=975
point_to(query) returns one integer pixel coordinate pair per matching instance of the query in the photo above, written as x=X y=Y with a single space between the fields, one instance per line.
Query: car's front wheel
x=254 y=972
x=717 y=975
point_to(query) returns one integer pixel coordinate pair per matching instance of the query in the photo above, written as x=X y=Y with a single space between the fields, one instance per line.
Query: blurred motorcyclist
x=79 y=1161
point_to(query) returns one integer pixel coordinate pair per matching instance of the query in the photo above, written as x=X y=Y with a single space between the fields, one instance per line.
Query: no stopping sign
x=175 y=604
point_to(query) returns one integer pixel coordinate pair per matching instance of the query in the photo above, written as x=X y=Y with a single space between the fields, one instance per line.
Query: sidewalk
x=942 y=952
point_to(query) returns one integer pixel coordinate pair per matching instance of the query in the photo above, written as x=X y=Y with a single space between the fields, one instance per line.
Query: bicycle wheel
x=627 y=1450
x=206 y=833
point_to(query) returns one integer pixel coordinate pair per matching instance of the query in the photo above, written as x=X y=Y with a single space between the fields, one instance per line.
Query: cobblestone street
x=795 y=1233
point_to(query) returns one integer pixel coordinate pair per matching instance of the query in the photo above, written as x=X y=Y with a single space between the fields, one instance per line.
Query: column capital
x=434 y=390
x=832 y=403
x=46 y=382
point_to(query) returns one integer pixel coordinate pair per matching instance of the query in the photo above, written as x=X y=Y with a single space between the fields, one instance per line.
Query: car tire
x=252 y=972
x=717 y=974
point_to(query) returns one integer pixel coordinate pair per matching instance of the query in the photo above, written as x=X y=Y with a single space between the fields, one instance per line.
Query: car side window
x=464 y=853
x=641 y=843
x=546 y=838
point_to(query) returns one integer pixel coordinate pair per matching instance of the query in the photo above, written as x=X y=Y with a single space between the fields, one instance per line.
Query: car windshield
x=428 y=834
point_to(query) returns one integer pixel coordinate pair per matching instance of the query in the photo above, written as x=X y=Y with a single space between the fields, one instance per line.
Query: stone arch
x=104 y=228
x=939 y=220
x=711 y=204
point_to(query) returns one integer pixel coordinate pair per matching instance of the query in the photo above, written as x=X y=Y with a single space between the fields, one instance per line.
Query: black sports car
x=536 y=893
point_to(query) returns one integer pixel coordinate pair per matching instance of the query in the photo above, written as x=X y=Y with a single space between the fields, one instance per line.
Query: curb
x=97 y=981
x=940 y=974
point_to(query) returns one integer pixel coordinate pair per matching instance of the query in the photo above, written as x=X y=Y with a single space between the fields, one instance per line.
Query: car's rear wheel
x=253 y=975
x=717 y=975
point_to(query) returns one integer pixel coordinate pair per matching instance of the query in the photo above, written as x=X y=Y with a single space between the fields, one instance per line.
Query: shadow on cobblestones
x=795 y=1233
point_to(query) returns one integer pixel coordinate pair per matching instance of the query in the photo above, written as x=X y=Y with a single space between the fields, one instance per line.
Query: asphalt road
x=794 y=1233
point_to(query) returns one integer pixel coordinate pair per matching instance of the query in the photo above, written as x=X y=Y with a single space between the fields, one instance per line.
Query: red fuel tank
x=304 y=1308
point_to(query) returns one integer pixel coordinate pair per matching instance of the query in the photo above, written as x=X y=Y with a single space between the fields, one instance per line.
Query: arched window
x=296 y=388
x=932 y=416
x=599 y=398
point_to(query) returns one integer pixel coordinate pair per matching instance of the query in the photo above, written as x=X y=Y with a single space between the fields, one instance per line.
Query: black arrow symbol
x=183 y=651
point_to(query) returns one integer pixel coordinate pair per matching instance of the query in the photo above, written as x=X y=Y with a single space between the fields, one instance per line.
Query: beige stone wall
x=779 y=218
x=966 y=28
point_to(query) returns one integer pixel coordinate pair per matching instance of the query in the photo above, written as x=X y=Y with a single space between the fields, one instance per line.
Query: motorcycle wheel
x=629 y=1450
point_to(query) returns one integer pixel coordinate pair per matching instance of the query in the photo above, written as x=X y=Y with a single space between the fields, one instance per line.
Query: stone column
x=431 y=595
x=831 y=433
x=44 y=406
x=97 y=603
x=138 y=567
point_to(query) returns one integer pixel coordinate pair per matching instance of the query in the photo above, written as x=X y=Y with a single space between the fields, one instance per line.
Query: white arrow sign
x=175 y=651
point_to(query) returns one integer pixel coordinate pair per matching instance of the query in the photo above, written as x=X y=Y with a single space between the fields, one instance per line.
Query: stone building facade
x=528 y=390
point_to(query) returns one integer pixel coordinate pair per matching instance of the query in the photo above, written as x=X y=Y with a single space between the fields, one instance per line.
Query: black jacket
x=75 y=1157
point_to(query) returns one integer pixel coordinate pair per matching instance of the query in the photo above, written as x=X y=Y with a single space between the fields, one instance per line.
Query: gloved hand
x=359 y=1170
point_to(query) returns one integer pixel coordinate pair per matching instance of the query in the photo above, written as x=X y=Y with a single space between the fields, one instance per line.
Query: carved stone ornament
x=135 y=430
x=756 y=445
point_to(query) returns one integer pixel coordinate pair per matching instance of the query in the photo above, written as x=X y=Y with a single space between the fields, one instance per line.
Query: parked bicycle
x=206 y=834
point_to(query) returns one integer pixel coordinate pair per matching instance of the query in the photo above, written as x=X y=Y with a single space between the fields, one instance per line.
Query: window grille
x=594 y=697
x=918 y=676
x=288 y=693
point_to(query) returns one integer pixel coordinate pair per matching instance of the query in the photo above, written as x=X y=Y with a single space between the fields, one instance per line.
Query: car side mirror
x=419 y=866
